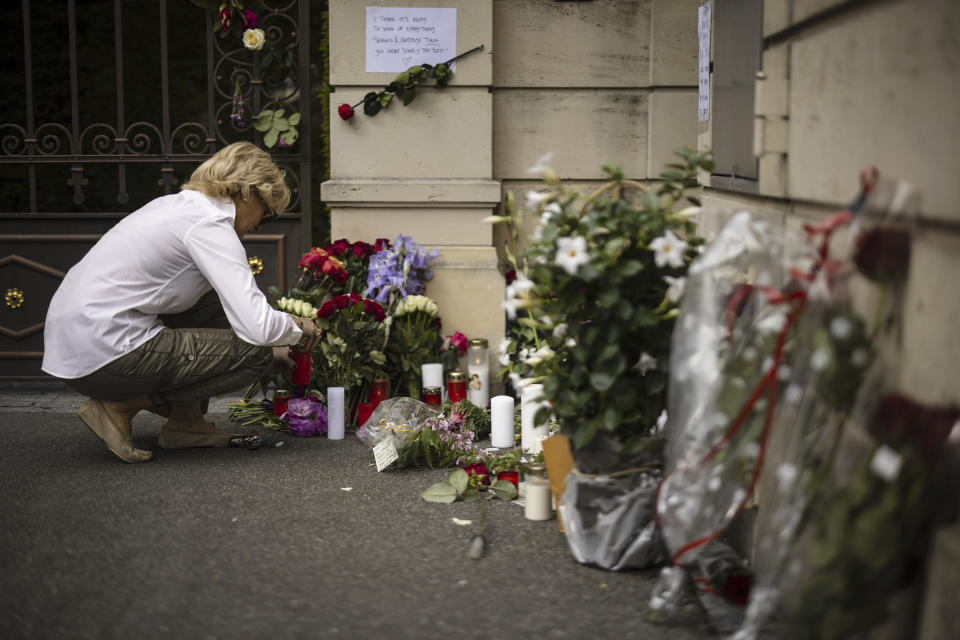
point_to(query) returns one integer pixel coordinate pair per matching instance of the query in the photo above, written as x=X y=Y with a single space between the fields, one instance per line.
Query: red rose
x=248 y=19
x=883 y=255
x=339 y=247
x=345 y=111
x=511 y=275
x=899 y=421
x=361 y=249
x=736 y=588
x=340 y=302
x=373 y=308
x=479 y=470
x=326 y=309
x=354 y=298
x=381 y=244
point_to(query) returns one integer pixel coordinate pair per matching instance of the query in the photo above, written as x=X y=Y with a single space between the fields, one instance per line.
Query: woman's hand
x=311 y=332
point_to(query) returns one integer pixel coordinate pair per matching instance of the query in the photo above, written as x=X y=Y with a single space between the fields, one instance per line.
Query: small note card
x=384 y=453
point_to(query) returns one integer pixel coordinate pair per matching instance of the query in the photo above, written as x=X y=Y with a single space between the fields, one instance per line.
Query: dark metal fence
x=88 y=135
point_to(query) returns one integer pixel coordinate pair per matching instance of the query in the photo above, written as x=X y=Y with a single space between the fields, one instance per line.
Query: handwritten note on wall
x=400 y=37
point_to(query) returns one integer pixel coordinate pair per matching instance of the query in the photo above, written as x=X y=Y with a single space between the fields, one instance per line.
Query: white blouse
x=159 y=259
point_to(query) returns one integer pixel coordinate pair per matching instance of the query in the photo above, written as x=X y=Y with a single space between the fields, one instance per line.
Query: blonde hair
x=241 y=170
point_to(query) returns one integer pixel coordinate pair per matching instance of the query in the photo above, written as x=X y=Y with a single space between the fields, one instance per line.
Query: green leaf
x=294 y=119
x=504 y=489
x=407 y=95
x=440 y=492
x=280 y=123
x=270 y=138
x=385 y=99
x=264 y=122
x=459 y=479
x=601 y=380
x=290 y=136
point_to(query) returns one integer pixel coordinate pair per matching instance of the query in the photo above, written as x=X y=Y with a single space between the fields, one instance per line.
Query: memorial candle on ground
x=432 y=375
x=335 y=413
x=531 y=400
x=501 y=422
x=478 y=373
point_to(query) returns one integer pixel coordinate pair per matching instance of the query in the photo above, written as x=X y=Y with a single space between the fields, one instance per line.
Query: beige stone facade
x=845 y=84
x=590 y=82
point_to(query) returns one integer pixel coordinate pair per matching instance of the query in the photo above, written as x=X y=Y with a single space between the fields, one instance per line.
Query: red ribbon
x=769 y=383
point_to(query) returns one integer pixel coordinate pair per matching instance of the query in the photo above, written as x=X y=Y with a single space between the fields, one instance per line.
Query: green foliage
x=594 y=320
x=276 y=126
x=414 y=341
x=468 y=489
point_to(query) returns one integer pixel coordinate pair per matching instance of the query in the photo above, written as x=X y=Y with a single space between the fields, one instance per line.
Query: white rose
x=253 y=39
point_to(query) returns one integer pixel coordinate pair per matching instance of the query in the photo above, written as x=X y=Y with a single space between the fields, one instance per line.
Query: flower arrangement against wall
x=594 y=299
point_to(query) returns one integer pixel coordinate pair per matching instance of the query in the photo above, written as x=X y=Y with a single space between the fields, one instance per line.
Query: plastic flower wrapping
x=772 y=340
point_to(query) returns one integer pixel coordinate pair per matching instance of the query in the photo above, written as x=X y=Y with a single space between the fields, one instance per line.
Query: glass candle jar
x=478 y=371
x=538 y=498
x=379 y=389
x=280 y=399
x=432 y=395
x=302 y=363
x=456 y=386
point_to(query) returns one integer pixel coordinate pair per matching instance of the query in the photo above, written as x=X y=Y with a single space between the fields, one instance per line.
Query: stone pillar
x=423 y=170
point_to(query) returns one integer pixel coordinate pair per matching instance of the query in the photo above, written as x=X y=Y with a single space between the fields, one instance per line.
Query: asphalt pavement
x=305 y=540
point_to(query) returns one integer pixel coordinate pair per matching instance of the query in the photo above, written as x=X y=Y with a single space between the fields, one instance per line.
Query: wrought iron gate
x=88 y=135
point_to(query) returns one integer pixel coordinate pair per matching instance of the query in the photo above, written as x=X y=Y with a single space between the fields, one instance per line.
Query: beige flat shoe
x=176 y=438
x=98 y=420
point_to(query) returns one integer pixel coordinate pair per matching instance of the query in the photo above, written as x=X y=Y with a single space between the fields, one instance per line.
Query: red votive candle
x=280 y=398
x=379 y=388
x=300 y=376
x=432 y=395
x=456 y=386
x=364 y=409
x=512 y=476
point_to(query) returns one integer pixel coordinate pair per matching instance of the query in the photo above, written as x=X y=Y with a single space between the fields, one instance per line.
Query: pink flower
x=458 y=341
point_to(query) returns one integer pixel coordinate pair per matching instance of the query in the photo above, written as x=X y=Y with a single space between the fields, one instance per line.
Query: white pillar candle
x=501 y=422
x=335 y=413
x=531 y=399
x=432 y=376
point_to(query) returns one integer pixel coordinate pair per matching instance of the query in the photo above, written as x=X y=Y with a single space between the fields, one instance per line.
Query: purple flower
x=306 y=417
x=404 y=268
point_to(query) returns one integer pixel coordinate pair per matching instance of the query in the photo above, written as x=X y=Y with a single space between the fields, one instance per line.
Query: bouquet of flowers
x=355 y=257
x=399 y=271
x=598 y=286
x=414 y=340
x=852 y=509
x=306 y=416
x=351 y=348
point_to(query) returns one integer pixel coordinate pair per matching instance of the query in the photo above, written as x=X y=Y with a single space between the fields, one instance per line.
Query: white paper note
x=384 y=453
x=703 y=67
x=400 y=37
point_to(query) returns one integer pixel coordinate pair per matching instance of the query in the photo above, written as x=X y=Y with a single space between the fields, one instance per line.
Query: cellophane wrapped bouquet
x=775 y=366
